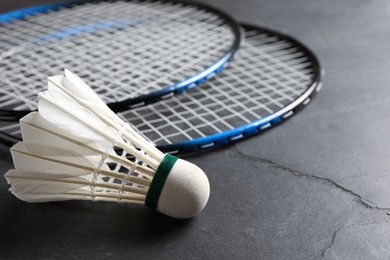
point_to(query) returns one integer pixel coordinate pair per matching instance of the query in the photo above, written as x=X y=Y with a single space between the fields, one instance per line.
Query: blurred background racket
x=131 y=52
x=270 y=79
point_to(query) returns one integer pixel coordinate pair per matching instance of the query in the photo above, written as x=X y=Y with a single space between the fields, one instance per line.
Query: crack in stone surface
x=332 y=240
x=334 y=235
x=359 y=199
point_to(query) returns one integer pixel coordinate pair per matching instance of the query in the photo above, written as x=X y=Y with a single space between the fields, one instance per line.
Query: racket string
x=122 y=49
x=266 y=75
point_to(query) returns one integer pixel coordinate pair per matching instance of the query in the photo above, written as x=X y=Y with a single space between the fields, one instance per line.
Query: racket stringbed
x=271 y=77
x=130 y=52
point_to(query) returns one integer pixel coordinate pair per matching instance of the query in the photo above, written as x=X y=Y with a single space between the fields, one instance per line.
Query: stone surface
x=316 y=186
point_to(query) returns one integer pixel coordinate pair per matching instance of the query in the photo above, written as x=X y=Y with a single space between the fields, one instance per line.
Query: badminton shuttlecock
x=75 y=147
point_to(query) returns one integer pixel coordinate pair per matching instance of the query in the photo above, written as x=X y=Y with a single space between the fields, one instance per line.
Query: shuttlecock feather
x=75 y=147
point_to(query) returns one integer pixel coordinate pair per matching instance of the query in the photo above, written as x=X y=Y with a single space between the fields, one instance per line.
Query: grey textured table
x=316 y=186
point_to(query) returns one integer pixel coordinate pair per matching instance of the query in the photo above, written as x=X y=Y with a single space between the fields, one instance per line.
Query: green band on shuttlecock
x=158 y=181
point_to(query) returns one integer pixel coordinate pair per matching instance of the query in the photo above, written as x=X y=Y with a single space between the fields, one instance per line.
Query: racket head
x=272 y=77
x=143 y=51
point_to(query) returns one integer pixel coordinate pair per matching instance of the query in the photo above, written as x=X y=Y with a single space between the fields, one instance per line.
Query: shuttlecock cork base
x=76 y=148
x=178 y=189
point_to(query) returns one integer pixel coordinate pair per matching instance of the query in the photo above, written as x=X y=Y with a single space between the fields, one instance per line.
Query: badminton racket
x=130 y=52
x=272 y=77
